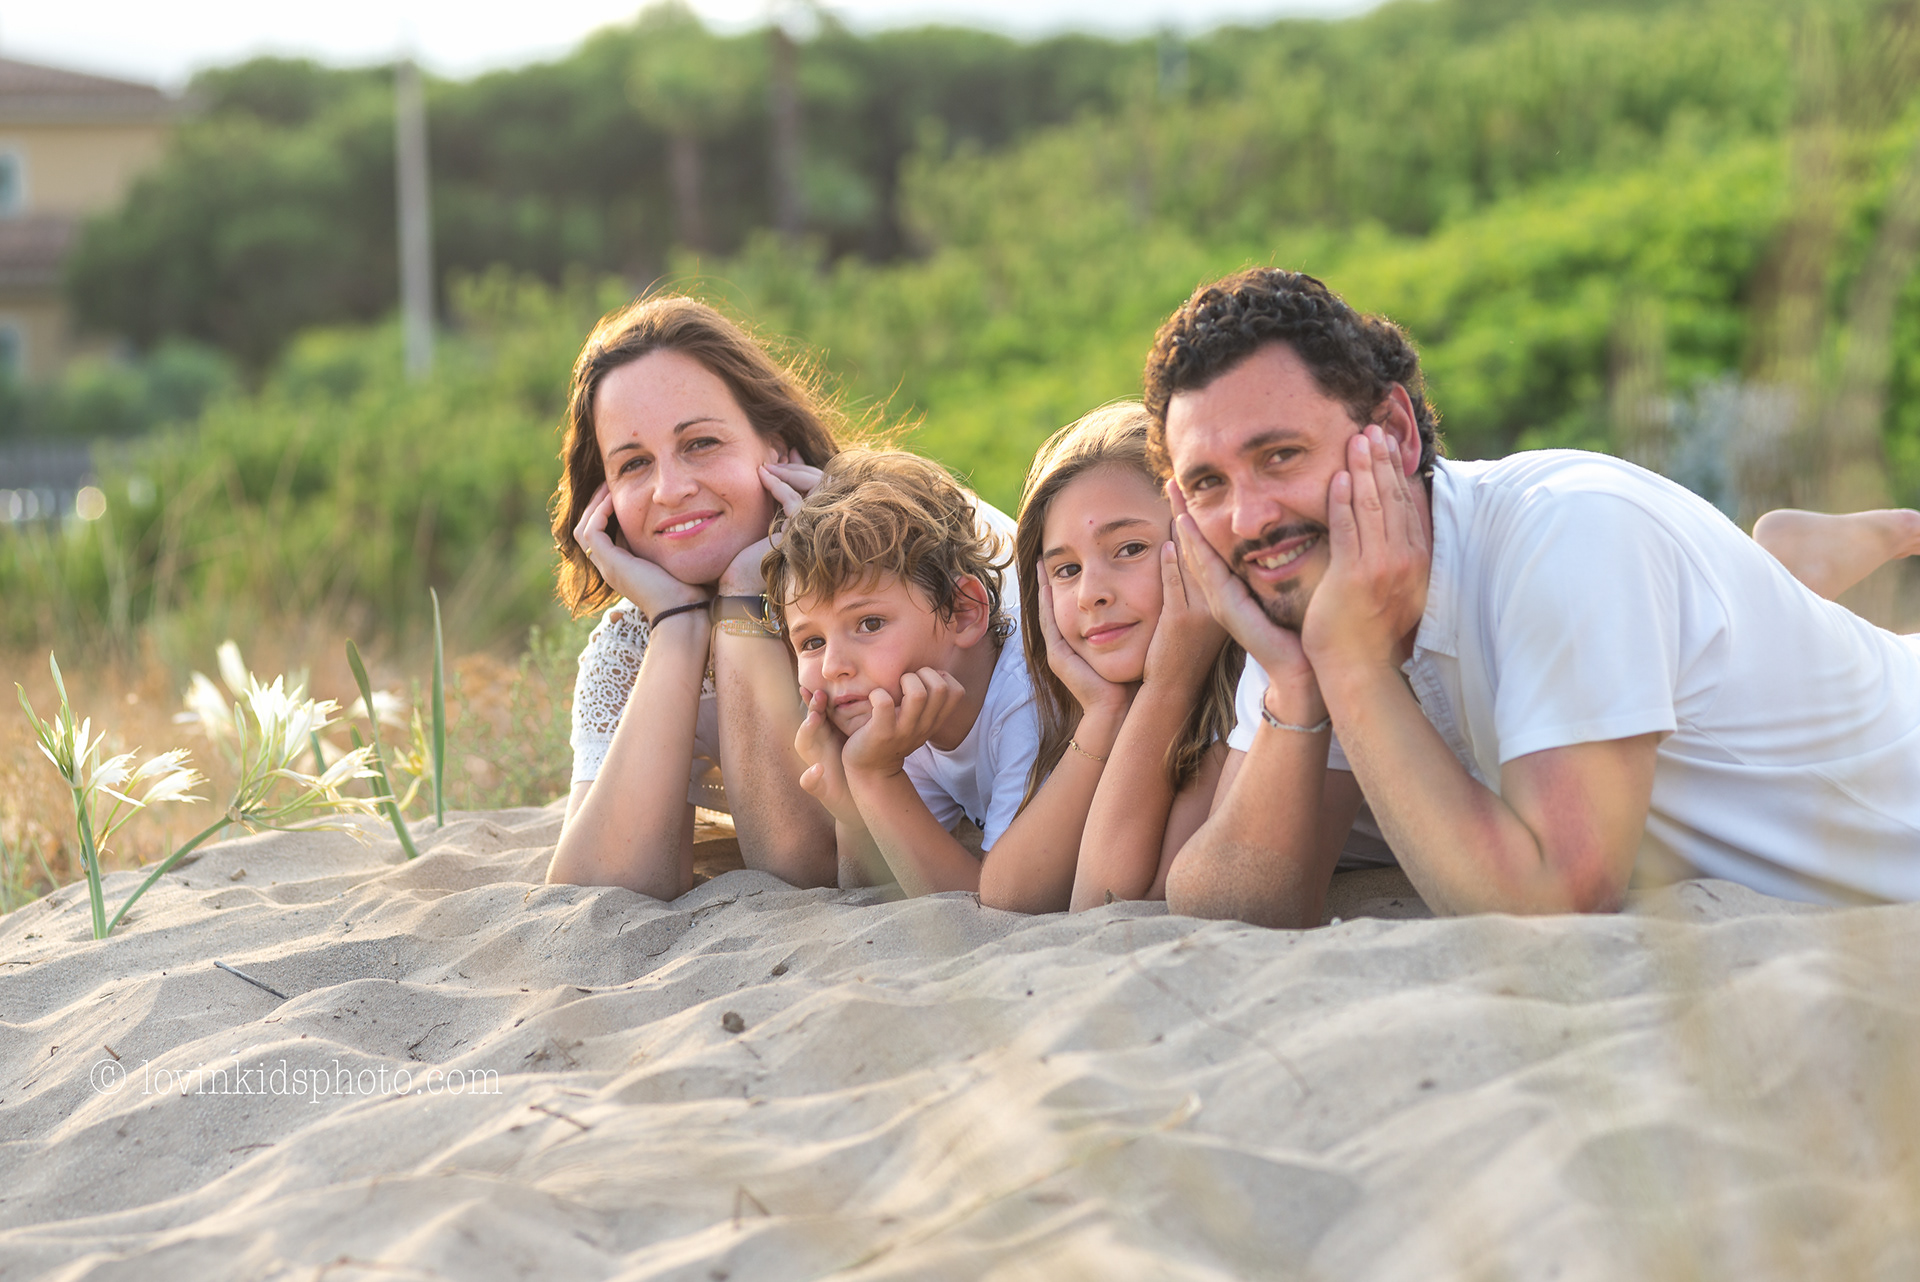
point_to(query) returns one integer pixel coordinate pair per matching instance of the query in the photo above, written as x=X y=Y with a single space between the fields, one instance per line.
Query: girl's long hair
x=1112 y=436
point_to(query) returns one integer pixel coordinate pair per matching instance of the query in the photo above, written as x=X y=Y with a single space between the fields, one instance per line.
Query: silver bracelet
x=1278 y=724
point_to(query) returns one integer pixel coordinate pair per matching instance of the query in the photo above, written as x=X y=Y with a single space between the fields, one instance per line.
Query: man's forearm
x=1266 y=853
x=1460 y=844
x=782 y=830
x=925 y=858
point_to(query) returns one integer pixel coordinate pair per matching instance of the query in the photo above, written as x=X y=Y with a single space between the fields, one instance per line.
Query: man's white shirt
x=1576 y=598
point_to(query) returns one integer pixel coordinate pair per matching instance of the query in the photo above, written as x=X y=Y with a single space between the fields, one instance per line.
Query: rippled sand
x=756 y=1082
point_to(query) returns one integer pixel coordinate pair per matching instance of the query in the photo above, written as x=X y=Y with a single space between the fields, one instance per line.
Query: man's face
x=1253 y=453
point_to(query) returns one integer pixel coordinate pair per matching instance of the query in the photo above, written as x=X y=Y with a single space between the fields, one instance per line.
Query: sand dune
x=500 y=1079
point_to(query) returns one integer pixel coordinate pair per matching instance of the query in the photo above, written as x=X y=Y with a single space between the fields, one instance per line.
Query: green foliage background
x=1510 y=180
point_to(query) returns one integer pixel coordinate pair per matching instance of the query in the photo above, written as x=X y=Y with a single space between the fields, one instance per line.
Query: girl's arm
x=1191 y=806
x=632 y=825
x=1031 y=868
x=1124 y=852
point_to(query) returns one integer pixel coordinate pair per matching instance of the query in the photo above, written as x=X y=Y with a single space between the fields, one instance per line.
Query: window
x=13 y=183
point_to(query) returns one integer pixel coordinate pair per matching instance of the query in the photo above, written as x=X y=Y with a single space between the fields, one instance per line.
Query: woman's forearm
x=782 y=830
x=1122 y=840
x=633 y=828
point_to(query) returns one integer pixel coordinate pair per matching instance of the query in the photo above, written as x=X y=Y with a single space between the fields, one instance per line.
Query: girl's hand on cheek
x=1089 y=688
x=1187 y=638
x=639 y=580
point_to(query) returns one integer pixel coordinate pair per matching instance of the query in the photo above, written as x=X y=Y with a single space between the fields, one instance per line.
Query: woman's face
x=1100 y=553
x=683 y=465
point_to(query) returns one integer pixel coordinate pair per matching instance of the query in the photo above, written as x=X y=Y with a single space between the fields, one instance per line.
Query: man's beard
x=1288 y=609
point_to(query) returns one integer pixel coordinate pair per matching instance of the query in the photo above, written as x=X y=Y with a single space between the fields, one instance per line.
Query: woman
x=683 y=439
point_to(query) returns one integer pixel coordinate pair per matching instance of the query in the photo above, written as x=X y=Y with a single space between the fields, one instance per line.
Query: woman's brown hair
x=780 y=402
x=1112 y=436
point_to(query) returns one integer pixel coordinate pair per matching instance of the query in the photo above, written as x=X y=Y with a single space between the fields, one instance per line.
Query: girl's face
x=1100 y=552
x=683 y=465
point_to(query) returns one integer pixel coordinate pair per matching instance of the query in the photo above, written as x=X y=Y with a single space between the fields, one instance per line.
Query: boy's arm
x=821 y=747
x=923 y=856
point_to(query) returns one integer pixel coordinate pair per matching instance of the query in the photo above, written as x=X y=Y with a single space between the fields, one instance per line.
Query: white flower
x=232 y=670
x=389 y=709
x=207 y=707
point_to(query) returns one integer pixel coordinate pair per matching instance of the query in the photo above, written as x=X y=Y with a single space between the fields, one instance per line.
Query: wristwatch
x=743 y=616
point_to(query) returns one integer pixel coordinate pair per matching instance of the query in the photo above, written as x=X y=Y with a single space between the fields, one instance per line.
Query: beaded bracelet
x=1278 y=724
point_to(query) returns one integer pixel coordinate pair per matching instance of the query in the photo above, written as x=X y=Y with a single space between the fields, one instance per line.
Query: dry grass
x=507 y=738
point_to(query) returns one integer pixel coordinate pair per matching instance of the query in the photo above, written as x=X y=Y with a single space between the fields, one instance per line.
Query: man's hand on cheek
x=894 y=730
x=1231 y=602
x=1375 y=587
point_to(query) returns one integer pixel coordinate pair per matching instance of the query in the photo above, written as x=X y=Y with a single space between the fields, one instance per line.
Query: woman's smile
x=682 y=527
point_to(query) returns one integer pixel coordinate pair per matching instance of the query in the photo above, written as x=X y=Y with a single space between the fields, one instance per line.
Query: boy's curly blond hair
x=881 y=514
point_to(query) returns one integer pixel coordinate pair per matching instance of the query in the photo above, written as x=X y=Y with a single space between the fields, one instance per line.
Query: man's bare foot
x=1832 y=553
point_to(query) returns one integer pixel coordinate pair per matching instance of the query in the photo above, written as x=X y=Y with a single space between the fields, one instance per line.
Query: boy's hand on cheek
x=821 y=746
x=894 y=731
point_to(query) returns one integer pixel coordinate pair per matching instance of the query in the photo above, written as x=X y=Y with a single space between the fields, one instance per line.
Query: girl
x=1133 y=679
x=683 y=439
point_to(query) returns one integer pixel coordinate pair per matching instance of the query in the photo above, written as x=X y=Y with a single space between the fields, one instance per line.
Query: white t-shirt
x=1575 y=598
x=610 y=664
x=986 y=776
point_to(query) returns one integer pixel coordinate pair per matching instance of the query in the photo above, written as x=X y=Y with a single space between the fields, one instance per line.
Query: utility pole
x=790 y=212
x=416 y=217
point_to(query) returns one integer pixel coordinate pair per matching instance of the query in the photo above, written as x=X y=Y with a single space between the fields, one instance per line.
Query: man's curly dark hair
x=1355 y=359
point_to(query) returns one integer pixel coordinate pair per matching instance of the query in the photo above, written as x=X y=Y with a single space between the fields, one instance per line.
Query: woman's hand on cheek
x=637 y=579
x=789 y=484
x=1187 y=638
x=1089 y=688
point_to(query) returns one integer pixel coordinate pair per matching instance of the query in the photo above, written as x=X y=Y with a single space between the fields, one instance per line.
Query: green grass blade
x=382 y=785
x=439 y=718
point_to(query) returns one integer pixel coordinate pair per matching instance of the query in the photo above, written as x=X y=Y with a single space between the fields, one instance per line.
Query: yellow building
x=70 y=146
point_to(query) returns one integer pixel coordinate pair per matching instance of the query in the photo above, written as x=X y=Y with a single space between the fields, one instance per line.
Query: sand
x=756 y=1082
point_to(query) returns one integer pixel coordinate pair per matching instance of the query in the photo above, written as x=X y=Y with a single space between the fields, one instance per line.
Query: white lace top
x=609 y=665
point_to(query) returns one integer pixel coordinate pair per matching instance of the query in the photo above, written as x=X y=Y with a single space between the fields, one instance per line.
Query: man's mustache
x=1254 y=547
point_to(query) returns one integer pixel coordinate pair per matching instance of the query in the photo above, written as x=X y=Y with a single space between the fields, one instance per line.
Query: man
x=1544 y=673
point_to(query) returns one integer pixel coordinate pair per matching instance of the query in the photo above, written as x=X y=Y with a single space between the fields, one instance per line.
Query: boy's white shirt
x=1576 y=598
x=985 y=777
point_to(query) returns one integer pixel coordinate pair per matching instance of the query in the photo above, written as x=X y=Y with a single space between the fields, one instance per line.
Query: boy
x=920 y=712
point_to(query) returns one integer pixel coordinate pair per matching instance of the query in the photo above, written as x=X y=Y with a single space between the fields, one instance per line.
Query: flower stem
x=90 y=861
x=159 y=871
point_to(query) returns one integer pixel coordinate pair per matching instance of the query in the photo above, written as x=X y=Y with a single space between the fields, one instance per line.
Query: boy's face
x=864 y=639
